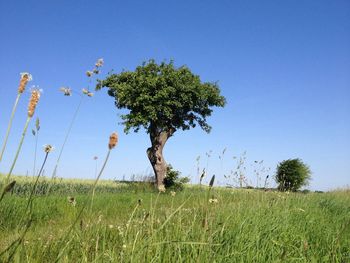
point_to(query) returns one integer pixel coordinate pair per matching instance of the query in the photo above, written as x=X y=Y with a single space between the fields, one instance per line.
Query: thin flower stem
x=36 y=182
x=35 y=150
x=9 y=125
x=66 y=137
x=98 y=177
x=18 y=150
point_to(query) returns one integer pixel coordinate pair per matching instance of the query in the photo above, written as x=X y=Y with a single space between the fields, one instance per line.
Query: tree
x=292 y=174
x=162 y=99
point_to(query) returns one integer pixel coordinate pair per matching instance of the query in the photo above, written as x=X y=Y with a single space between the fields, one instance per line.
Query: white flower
x=172 y=193
x=48 y=148
x=213 y=200
x=66 y=91
x=99 y=62
x=161 y=188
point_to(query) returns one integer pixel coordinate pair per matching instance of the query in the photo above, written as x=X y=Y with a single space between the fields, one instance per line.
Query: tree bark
x=155 y=154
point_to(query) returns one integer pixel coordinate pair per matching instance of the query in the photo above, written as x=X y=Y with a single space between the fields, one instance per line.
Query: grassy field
x=133 y=223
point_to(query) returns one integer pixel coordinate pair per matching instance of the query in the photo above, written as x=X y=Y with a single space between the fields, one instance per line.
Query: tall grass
x=242 y=226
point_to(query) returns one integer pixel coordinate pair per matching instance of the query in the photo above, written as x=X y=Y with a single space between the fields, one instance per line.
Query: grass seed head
x=34 y=99
x=66 y=91
x=99 y=62
x=9 y=187
x=25 y=78
x=113 y=140
x=48 y=148
x=211 y=183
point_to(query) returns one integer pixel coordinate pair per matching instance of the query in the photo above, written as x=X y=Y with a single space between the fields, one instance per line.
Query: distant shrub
x=292 y=174
x=173 y=180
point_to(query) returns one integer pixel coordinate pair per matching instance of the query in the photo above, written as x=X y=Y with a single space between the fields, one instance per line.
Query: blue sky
x=282 y=65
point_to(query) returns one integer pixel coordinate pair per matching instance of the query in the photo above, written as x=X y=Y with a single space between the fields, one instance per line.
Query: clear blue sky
x=282 y=65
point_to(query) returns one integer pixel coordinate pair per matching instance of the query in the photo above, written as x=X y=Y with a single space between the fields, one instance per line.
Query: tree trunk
x=155 y=154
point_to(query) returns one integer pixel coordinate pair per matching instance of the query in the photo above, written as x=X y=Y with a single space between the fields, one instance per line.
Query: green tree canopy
x=171 y=98
x=292 y=174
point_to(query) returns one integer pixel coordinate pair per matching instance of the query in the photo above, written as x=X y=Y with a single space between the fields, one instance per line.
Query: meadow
x=135 y=223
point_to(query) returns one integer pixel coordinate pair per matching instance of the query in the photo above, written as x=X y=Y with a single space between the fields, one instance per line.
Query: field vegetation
x=135 y=223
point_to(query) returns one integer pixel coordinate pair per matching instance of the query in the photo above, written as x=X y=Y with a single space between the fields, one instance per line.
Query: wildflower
x=85 y=91
x=72 y=200
x=113 y=140
x=25 y=78
x=96 y=71
x=110 y=226
x=213 y=200
x=172 y=193
x=99 y=63
x=48 y=148
x=161 y=188
x=124 y=246
x=66 y=91
x=90 y=94
x=89 y=73
x=34 y=99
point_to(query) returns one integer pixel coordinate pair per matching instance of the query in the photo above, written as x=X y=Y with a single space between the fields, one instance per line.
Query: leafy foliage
x=292 y=174
x=170 y=98
x=173 y=179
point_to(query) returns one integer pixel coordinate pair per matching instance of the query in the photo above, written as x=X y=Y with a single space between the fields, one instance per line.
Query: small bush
x=292 y=174
x=173 y=180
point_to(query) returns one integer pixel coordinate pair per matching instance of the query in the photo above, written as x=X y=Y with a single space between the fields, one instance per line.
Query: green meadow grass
x=133 y=223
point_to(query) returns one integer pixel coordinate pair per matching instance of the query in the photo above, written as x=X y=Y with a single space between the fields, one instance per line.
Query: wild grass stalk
x=34 y=99
x=113 y=140
x=36 y=135
x=54 y=173
x=47 y=149
x=67 y=92
x=25 y=78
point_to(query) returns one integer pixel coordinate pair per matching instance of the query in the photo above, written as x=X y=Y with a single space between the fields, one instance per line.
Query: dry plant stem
x=9 y=125
x=66 y=137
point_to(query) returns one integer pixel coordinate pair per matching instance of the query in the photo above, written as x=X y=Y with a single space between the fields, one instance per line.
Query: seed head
x=66 y=91
x=89 y=73
x=9 y=187
x=48 y=148
x=34 y=99
x=25 y=78
x=113 y=140
x=99 y=62
x=90 y=94
x=85 y=91
x=211 y=183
